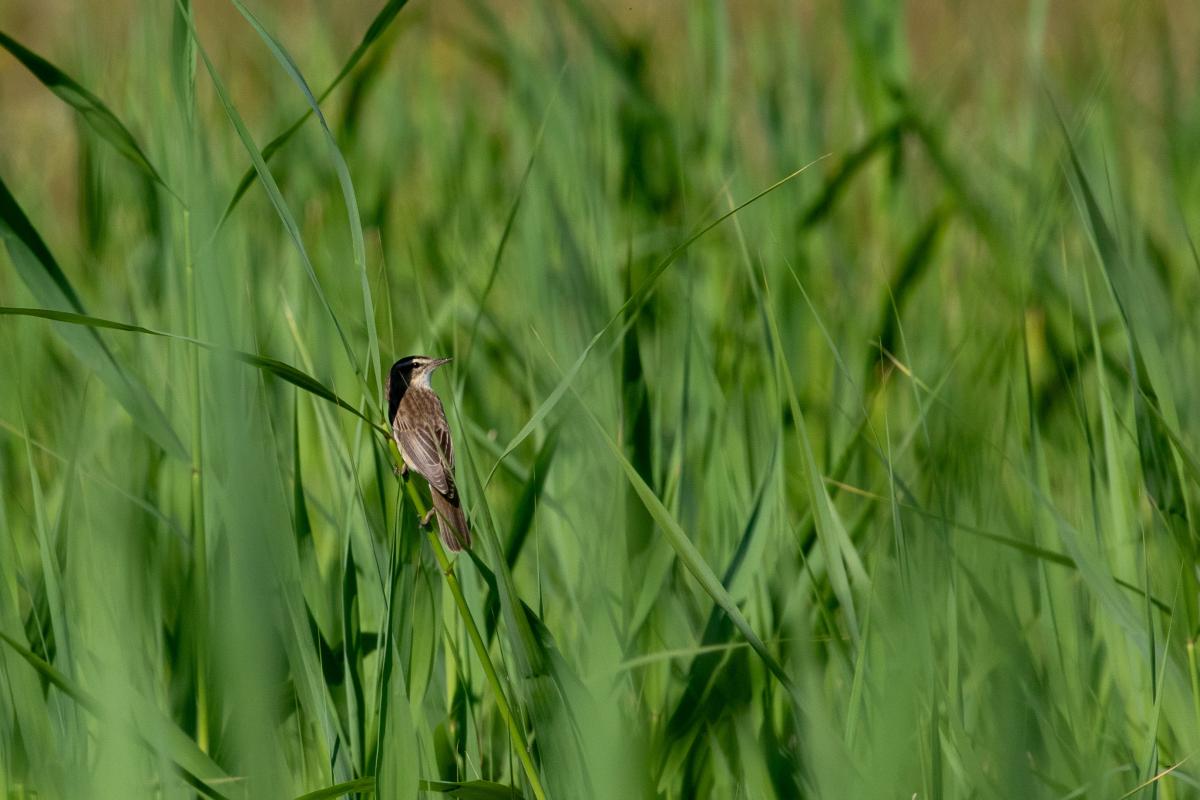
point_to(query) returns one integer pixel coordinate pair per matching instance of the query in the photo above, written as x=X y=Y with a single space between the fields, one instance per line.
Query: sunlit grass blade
x=1164 y=461
x=689 y=556
x=695 y=563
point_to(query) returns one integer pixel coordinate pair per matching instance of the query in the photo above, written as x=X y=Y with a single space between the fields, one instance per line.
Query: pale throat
x=421 y=379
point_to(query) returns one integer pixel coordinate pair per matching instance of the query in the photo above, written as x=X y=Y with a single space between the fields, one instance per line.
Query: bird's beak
x=437 y=362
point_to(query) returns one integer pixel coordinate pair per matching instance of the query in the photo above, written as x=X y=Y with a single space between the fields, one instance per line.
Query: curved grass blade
x=1164 y=461
x=627 y=312
x=472 y=790
x=103 y=121
x=279 y=369
x=522 y=521
x=467 y=790
x=364 y=785
x=542 y=680
x=692 y=559
x=377 y=28
x=711 y=652
x=48 y=555
x=17 y=229
x=516 y=731
x=352 y=214
x=99 y=480
x=508 y=227
x=841 y=559
x=268 y=181
x=1031 y=550
x=49 y=284
x=25 y=701
x=689 y=555
x=850 y=165
x=157 y=730
x=531 y=494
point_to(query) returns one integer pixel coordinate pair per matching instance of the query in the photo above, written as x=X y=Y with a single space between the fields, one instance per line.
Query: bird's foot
x=425 y=519
x=400 y=471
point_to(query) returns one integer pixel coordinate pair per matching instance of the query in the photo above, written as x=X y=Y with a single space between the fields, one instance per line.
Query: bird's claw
x=400 y=471
x=425 y=519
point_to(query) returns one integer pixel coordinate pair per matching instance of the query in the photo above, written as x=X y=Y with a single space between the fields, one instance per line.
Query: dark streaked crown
x=400 y=377
x=398 y=380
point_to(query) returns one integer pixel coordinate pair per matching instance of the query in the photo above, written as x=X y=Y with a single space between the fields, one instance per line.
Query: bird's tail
x=452 y=522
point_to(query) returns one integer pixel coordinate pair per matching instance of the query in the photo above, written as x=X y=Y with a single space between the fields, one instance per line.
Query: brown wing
x=424 y=439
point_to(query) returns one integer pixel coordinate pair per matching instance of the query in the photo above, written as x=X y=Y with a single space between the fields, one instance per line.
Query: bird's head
x=409 y=371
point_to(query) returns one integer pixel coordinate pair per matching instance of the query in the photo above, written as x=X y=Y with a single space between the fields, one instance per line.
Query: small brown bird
x=423 y=437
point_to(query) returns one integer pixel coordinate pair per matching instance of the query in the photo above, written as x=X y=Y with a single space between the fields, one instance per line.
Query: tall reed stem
x=489 y=669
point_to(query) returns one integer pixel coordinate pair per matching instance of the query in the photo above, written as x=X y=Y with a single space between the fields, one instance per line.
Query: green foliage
x=824 y=398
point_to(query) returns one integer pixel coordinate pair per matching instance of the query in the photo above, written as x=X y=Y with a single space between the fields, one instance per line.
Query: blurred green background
x=882 y=486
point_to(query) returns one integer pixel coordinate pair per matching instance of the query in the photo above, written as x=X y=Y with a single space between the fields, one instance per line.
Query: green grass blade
x=18 y=230
x=347 y=185
x=378 y=27
x=632 y=304
x=279 y=369
x=48 y=553
x=689 y=556
x=49 y=284
x=694 y=561
x=541 y=679
x=465 y=790
x=159 y=732
x=97 y=115
x=710 y=653
x=22 y=685
x=841 y=559
x=849 y=166
x=276 y=196
x=363 y=785
x=472 y=790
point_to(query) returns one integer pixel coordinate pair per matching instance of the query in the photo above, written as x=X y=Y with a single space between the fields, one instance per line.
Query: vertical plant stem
x=489 y=669
x=1194 y=675
x=199 y=539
